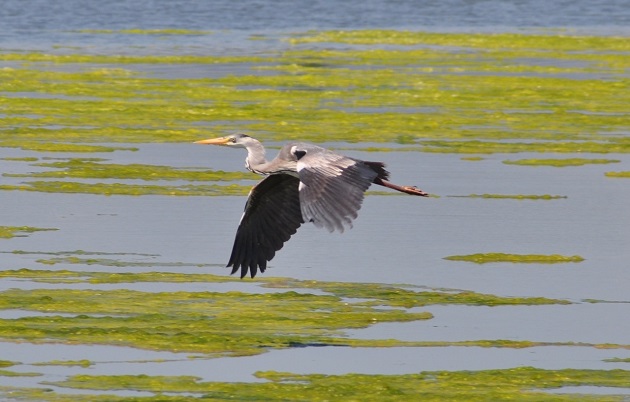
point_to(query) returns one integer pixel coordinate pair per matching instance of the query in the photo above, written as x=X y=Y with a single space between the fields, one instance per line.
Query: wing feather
x=332 y=186
x=272 y=215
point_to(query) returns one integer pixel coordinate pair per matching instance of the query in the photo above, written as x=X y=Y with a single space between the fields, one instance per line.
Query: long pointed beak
x=214 y=141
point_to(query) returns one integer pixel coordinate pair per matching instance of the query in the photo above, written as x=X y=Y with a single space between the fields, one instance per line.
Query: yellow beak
x=215 y=141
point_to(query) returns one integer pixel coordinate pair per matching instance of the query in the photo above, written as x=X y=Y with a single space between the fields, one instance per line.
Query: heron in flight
x=304 y=183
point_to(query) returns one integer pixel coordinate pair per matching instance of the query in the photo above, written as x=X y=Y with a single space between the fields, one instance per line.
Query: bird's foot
x=413 y=190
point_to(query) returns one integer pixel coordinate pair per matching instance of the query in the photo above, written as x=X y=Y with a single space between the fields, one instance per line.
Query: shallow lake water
x=395 y=240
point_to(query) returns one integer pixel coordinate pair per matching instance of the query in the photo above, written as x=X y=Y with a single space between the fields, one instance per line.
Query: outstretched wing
x=272 y=215
x=332 y=186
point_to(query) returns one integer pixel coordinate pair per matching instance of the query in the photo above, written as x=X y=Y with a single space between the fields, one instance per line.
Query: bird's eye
x=233 y=140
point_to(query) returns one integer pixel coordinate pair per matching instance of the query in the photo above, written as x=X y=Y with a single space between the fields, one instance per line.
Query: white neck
x=255 y=155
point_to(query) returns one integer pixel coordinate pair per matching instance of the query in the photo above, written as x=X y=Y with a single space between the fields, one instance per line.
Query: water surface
x=397 y=239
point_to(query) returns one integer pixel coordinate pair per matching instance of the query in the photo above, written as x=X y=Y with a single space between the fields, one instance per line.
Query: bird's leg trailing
x=403 y=189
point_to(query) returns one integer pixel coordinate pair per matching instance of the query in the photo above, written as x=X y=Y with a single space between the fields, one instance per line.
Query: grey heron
x=304 y=183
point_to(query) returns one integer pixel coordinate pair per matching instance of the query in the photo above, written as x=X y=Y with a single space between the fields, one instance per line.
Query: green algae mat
x=235 y=323
x=409 y=91
x=437 y=92
x=522 y=384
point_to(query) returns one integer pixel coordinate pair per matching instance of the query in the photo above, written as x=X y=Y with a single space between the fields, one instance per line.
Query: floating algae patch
x=76 y=252
x=522 y=384
x=128 y=189
x=488 y=147
x=625 y=174
x=369 y=294
x=569 y=91
x=398 y=296
x=110 y=262
x=79 y=363
x=60 y=147
x=44 y=276
x=234 y=323
x=67 y=276
x=617 y=360
x=96 y=169
x=559 y=162
x=514 y=196
x=36 y=57
x=24 y=159
x=474 y=40
x=483 y=258
x=230 y=323
x=7 y=232
x=80 y=257
x=8 y=373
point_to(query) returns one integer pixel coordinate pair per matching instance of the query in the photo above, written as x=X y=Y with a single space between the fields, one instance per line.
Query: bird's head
x=234 y=140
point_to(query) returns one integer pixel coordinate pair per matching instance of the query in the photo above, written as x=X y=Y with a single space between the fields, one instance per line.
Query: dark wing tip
x=272 y=215
x=253 y=268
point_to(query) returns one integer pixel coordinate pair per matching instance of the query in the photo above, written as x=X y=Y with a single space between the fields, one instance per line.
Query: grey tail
x=379 y=169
